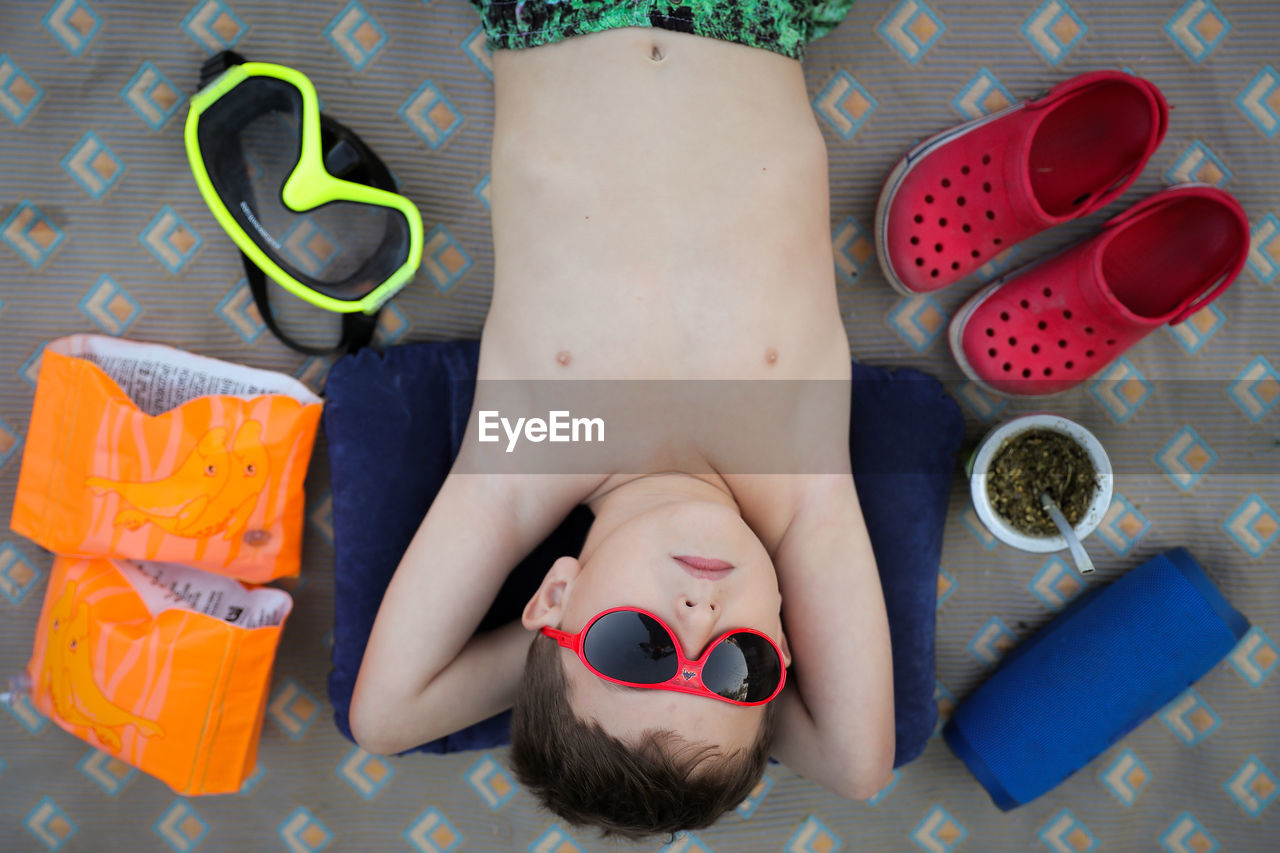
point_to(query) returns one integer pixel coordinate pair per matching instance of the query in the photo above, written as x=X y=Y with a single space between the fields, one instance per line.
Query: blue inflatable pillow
x=394 y=422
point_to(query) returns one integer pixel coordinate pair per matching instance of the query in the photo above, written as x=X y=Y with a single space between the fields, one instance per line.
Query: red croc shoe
x=971 y=192
x=1052 y=324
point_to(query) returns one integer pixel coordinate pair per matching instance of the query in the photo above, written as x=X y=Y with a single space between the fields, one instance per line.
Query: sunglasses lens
x=632 y=647
x=743 y=667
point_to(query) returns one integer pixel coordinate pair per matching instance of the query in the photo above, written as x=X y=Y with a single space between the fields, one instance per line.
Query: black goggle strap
x=357 y=328
x=216 y=64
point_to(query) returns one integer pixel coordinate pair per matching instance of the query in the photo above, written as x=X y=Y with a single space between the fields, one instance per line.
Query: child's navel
x=771 y=356
x=563 y=358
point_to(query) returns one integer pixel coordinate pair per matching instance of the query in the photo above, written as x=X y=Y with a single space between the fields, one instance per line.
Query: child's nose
x=698 y=602
x=696 y=618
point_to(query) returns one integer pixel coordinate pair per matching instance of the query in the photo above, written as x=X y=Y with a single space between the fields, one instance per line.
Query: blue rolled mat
x=1113 y=658
x=394 y=421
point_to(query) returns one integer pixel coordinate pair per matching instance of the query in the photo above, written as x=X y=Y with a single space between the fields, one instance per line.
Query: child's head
x=657 y=782
x=636 y=761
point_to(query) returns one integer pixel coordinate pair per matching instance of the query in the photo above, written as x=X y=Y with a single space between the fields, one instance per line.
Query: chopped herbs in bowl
x=1023 y=458
x=1033 y=463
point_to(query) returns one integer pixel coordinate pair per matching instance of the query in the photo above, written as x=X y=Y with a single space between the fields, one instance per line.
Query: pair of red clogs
x=959 y=198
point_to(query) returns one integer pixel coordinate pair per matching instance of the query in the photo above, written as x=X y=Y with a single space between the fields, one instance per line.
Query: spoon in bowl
x=1083 y=564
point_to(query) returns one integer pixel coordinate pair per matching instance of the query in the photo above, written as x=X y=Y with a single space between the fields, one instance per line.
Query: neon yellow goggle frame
x=231 y=96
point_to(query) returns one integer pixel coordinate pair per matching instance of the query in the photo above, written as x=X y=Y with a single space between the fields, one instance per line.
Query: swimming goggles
x=306 y=201
x=635 y=648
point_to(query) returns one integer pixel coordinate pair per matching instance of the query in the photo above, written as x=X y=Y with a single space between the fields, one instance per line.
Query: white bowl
x=996 y=439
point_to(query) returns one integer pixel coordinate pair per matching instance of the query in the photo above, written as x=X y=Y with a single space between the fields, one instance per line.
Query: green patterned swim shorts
x=783 y=26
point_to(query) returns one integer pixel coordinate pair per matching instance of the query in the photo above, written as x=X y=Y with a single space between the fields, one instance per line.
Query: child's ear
x=547 y=604
x=786 y=649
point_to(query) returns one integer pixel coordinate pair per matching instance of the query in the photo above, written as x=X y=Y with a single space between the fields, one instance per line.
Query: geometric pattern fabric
x=102 y=230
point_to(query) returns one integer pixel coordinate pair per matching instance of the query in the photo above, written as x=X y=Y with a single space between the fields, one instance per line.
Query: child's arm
x=836 y=723
x=423 y=675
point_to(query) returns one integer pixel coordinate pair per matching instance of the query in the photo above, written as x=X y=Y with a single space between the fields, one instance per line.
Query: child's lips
x=704 y=567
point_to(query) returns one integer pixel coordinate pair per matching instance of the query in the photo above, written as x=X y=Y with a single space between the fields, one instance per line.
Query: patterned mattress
x=103 y=231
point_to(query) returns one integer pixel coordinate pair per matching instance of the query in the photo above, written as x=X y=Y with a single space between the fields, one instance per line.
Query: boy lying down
x=660 y=212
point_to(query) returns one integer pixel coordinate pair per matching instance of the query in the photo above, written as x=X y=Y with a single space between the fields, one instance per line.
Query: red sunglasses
x=635 y=648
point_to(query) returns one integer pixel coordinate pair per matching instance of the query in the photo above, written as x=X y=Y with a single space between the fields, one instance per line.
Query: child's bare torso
x=660 y=210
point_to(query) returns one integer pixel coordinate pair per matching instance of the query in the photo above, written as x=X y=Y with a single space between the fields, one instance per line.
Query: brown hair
x=584 y=775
